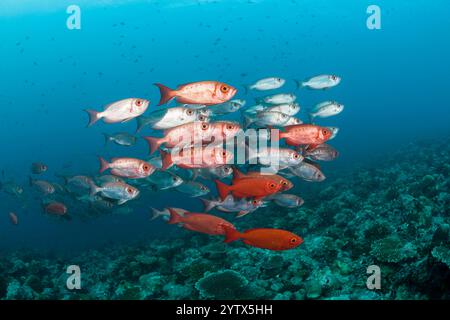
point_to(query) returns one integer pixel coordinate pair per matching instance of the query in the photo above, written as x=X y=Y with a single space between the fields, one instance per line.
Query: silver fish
x=320 y=82
x=165 y=213
x=283 y=157
x=267 y=84
x=116 y=190
x=119 y=111
x=286 y=200
x=43 y=186
x=214 y=173
x=307 y=172
x=323 y=152
x=171 y=117
x=108 y=178
x=193 y=189
x=121 y=138
x=266 y=118
x=163 y=180
x=227 y=107
x=334 y=132
x=38 y=168
x=281 y=98
x=230 y=204
x=326 y=109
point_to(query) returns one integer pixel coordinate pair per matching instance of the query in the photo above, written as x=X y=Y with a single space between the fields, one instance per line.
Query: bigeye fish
x=163 y=180
x=293 y=121
x=230 y=204
x=171 y=117
x=281 y=98
x=193 y=189
x=108 y=178
x=203 y=92
x=267 y=84
x=286 y=200
x=323 y=152
x=321 y=82
x=116 y=190
x=227 y=107
x=127 y=167
x=121 y=138
x=307 y=172
x=79 y=181
x=119 y=111
x=290 y=109
x=38 y=168
x=42 y=186
x=326 y=109
x=11 y=188
x=282 y=157
x=266 y=118
x=13 y=218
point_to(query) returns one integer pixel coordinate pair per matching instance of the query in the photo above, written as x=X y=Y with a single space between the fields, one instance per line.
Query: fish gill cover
x=224 y=150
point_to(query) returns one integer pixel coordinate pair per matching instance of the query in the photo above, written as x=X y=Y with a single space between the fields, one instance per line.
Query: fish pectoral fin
x=126 y=120
x=122 y=201
x=242 y=213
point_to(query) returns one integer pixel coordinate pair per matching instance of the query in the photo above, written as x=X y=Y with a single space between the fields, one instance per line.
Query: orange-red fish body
x=56 y=208
x=271 y=239
x=256 y=188
x=127 y=167
x=200 y=222
x=196 y=158
x=305 y=134
x=284 y=183
x=194 y=133
x=203 y=93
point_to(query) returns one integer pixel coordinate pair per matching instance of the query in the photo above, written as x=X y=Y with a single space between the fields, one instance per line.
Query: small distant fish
x=271 y=239
x=293 y=121
x=43 y=186
x=116 y=190
x=119 y=111
x=163 y=180
x=193 y=189
x=281 y=98
x=334 y=132
x=286 y=200
x=78 y=181
x=266 y=118
x=55 y=208
x=230 y=204
x=13 y=218
x=122 y=139
x=165 y=213
x=11 y=188
x=227 y=107
x=326 y=109
x=203 y=92
x=324 y=152
x=200 y=222
x=267 y=84
x=38 y=168
x=127 y=167
x=320 y=82
x=170 y=118
x=308 y=172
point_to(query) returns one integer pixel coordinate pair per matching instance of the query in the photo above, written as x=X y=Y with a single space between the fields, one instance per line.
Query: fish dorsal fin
x=237 y=174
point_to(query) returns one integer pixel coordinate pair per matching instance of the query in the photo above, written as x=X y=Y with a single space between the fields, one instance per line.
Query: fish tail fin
x=222 y=188
x=156 y=213
x=140 y=122
x=237 y=174
x=94 y=116
x=246 y=88
x=166 y=158
x=94 y=189
x=174 y=217
x=300 y=84
x=247 y=121
x=208 y=204
x=104 y=165
x=231 y=234
x=167 y=94
x=107 y=138
x=153 y=143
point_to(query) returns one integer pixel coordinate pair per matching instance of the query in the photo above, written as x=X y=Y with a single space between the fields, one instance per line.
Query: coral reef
x=393 y=213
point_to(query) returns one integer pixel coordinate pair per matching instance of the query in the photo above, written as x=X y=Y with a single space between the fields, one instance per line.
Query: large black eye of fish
x=224 y=89
x=190 y=112
x=204 y=126
x=296 y=156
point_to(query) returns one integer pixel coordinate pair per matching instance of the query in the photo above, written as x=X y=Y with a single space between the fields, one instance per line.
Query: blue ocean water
x=394 y=87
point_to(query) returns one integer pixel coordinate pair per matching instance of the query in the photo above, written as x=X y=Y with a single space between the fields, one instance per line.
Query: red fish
x=13 y=218
x=194 y=133
x=56 y=208
x=272 y=239
x=256 y=188
x=196 y=158
x=203 y=92
x=284 y=183
x=127 y=167
x=305 y=134
x=200 y=222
